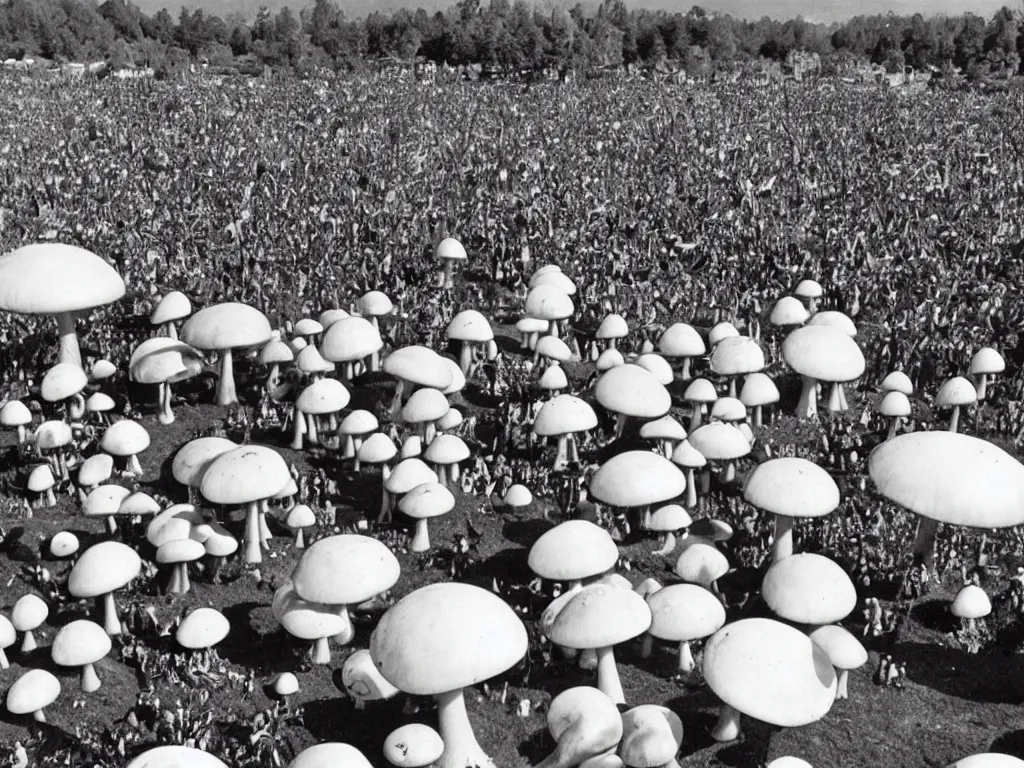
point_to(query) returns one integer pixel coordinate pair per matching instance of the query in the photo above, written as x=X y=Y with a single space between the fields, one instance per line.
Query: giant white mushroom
x=349 y=341
x=822 y=353
x=629 y=390
x=681 y=613
x=31 y=692
x=103 y=569
x=223 y=328
x=809 y=589
x=440 y=639
x=81 y=643
x=636 y=480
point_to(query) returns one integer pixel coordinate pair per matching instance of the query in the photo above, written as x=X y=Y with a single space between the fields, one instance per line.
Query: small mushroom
x=28 y=615
x=126 y=439
x=31 y=692
x=300 y=517
x=413 y=746
x=81 y=643
x=100 y=571
x=362 y=680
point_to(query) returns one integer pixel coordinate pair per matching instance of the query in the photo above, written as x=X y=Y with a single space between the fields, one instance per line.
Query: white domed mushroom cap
x=547 y=302
x=658 y=367
x=718 y=441
x=52 y=434
x=358 y=423
x=688 y=457
x=427 y=500
x=894 y=403
x=377 y=449
x=62 y=381
x=681 y=340
x=174 y=306
x=139 y=504
x=836 y=320
x=193 y=458
x=125 y=438
x=8 y=634
x=407 y=474
x=988 y=760
x=102 y=369
x=670 y=517
x=49 y=278
x=532 y=325
x=363 y=681
x=174 y=756
x=564 y=414
x=79 y=643
x=202 y=628
x=700 y=391
x=808 y=289
x=344 y=569
x=584 y=701
x=759 y=389
x=330 y=316
x=951 y=478
x=632 y=391
x=95 y=470
x=637 y=479
x=40 y=479
x=301 y=516
x=789 y=762
x=553 y=379
x=665 y=428
x=685 y=612
x=737 y=355
x=897 y=381
x=608 y=359
x=103 y=568
x=349 y=339
x=556 y=279
x=956 y=391
x=651 y=736
x=796 y=684
x=720 y=332
x=15 y=414
x=179 y=551
x=599 y=616
x=443 y=637
x=809 y=589
x=304 y=619
x=792 y=486
x=554 y=348
x=824 y=353
x=413 y=746
x=105 y=500
x=518 y=495
x=426 y=404
x=987 y=361
x=613 y=326
x=29 y=612
x=226 y=326
x=469 y=325
x=160 y=360
x=971 y=602
x=371 y=304
x=309 y=360
x=322 y=397
x=330 y=755
x=286 y=684
x=728 y=409
x=573 y=550
x=63 y=544
x=701 y=563
x=419 y=365
x=843 y=649
x=788 y=310
x=99 y=402
x=244 y=475
x=450 y=248
x=33 y=691
x=446 y=449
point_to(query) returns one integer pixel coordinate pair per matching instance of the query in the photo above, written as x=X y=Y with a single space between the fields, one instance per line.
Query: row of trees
x=504 y=33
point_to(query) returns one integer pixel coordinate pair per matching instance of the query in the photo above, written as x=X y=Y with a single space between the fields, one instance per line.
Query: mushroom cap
x=226 y=326
x=665 y=428
x=244 y=475
x=276 y=351
x=549 y=302
x=446 y=449
x=759 y=389
x=105 y=500
x=956 y=391
x=377 y=449
x=670 y=517
x=49 y=278
x=787 y=761
x=632 y=391
x=710 y=528
x=897 y=381
x=407 y=474
x=412 y=447
x=95 y=470
x=8 y=635
x=160 y=360
x=450 y=249
x=809 y=589
x=788 y=310
x=102 y=369
x=363 y=681
x=553 y=378
x=614 y=326
x=79 y=643
x=174 y=306
x=458 y=378
x=99 y=402
x=718 y=441
x=29 y=612
x=600 y=616
x=286 y=684
x=701 y=563
x=796 y=682
x=553 y=348
x=532 y=325
x=563 y=415
x=950 y=477
x=15 y=414
x=583 y=701
x=202 y=628
x=349 y=339
x=174 y=523
x=194 y=457
x=427 y=500
x=823 y=353
x=309 y=360
x=650 y=733
x=518 y=495
x=469 y=325
x=637 y=479
x=988 y=760
x=304 y=619
x=556 y=279
x=657 y=366
x=63 y=544
x=836 y=320
x=344 y=569
x=40 y=479
x=681 y=340
x=372 y=304
x=443 y=637
x=843 y=649
x=329 y=755
x=179 y=551
x=102 y=568
x=737 y=355
x=608 y=359
x=300 y=516
x=685 y=612
x=174 y=756
x=358 y=423
x=413 y=746
x=987 y=361
x=52 y=434
x=792 y=486
x=33 y=691
x=418 y=365
x=971 y=602
x=425 y=405
x=721 y=331
x=808 y=289
x=700 y=391
x=125 y=438
x=894 y=403
x=62 y=381
x=729 y=409
x=323 y=396
x=688 y=457
x=573 y=550
x=220 y=545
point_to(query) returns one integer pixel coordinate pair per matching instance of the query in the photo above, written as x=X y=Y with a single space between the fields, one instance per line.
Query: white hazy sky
x=813 y=10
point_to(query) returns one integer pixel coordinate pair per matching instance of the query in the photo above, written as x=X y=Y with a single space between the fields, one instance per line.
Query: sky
x=812 y=10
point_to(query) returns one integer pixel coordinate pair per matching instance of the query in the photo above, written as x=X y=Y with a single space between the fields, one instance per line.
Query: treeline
x=509 y=34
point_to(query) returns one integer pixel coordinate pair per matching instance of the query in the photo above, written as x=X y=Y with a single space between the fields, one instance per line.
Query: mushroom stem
x=691 y=489
x=69 y=350
x=421 y=541
x=782 y=541
x=181 y=578
x=646 y=645
x=39 y=716
x=111 y=525
x=758 y=417
x=166 y=414
x=348 y=633
x=982 y=386
x=668 y=545
x=924 y=543
x=571 y=451
x=842 y=397
x=954 y=419
x=684 y=372
x=695 y=417
x=732 y=386
x=728 y=726
x=385 y=504
x=21 y=435
x=580 y=743
x=299 y=423
x=730 y=472
x=4 y=663
x=312 y=431
x=321 y=651
x=265 y=534
x=76 y=408
x=134 y=467
x=300 y=542
x=461 y=749
x=620 y=424
x=588 y=659
x=835 y=398
x=226 y=394
x=396 y=403
x=807 y=407
x=894 y=424
x=608 y=675
x=841 y=690
x=686 y=662
x=90 y=680
x=466 y=357
x=111 y=623
x=172 y=331
x=448 y=275
x=252 y=534
x=51 y=500
x=28 y=643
